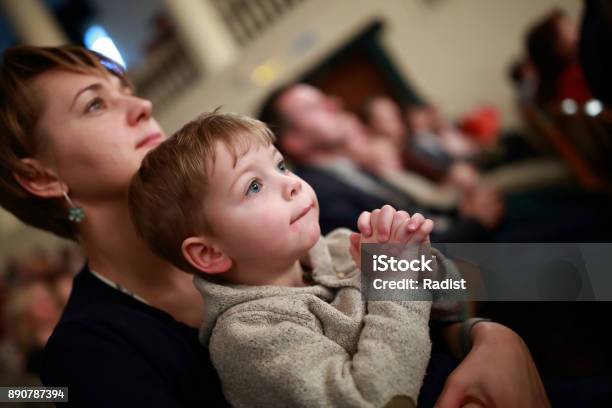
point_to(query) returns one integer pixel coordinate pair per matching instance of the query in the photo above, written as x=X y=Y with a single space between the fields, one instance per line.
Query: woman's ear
x=40 y=180
x=205 y=256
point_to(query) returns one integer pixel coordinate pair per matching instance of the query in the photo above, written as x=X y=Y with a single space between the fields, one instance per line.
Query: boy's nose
x=292 y=188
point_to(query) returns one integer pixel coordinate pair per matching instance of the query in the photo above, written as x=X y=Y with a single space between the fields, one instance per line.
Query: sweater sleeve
x=100 y=372
x=271 y=359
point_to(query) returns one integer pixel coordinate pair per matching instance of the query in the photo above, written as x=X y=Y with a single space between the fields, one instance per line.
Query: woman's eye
x=254 y=188
x=95 y=104
x=282 y=166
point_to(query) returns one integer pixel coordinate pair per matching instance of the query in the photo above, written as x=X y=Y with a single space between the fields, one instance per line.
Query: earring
x=75 y=213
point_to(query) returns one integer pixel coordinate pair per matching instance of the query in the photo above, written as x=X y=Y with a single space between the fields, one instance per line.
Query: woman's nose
x=292 y=188
x=138 y=110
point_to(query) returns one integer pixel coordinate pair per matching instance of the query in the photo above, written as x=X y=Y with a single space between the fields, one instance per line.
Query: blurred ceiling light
x=569 y=106
x=97 y=39
x=593 y=107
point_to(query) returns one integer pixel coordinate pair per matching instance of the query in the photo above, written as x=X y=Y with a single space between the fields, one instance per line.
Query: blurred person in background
x=425 y=144
x=32 y=312
x=37 y=286
x=552 y=45
x=72 y=135
x=420 y=141
x=320 y=139
x=460 y=192
x=433 y=137
x=509 y=166
x=312 y=132
x=62 y=287
x=37 y=264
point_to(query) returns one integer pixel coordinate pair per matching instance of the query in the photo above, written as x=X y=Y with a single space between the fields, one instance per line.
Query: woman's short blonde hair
x=20 y=111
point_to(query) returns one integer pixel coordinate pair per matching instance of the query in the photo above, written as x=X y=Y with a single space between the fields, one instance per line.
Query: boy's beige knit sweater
x=319 y=345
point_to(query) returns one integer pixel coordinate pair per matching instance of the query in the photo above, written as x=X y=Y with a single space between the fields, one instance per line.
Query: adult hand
x=498 y=372
x=483 y=204
x=463 y=176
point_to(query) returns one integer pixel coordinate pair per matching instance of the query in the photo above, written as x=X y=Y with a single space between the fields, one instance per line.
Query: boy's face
x=261 y=213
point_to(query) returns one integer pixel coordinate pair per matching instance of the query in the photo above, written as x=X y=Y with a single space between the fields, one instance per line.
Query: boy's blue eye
x=254 y=187
x=282 y=166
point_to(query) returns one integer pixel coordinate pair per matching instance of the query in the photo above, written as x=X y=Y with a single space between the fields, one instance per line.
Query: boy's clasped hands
x=389 y=226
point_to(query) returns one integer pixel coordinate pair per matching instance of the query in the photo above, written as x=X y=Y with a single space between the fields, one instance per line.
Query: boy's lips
x=302 y=213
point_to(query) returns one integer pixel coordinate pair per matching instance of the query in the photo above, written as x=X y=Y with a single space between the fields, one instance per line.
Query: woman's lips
x=303 y=213
x=152 y=139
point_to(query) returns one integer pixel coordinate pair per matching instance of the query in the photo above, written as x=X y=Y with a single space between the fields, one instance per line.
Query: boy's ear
x=205 y=256
x=40 y=181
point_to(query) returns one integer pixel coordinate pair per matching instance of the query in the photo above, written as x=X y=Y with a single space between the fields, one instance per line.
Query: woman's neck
x=116 y=252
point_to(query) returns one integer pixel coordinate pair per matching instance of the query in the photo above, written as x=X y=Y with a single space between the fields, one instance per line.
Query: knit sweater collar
x=218 y=298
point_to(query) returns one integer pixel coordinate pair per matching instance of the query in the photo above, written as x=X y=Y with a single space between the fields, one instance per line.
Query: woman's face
x=93 y=132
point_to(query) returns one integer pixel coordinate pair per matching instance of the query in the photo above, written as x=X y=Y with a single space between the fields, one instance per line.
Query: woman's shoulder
x=97 y=309
x=93 y=301
x=105 y=336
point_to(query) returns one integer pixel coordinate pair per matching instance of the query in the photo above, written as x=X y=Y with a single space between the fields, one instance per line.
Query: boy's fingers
x=403 y=234
x=363 y=224
x=384 y=221
x=355 y=239
x=415 y=222
x=374 y=222
x=422 y=234
x=399 y=219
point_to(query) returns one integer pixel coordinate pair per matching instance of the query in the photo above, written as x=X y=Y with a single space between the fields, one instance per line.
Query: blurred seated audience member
x=384 y=118
x=461 y=179
x=595 y=46
x=62 y=287
x=316 y=136
x=421 y=150
x=432 y=133
x=378 y=156
x=33 y=292
x=38 y=264
x=32 y=312
x=552 y=45
x=373 y=152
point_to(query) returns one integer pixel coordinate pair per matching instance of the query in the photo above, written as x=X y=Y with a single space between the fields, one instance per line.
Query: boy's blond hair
x=167 y=194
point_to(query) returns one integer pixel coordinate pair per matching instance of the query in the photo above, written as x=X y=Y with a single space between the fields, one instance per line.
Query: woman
x=71 y=137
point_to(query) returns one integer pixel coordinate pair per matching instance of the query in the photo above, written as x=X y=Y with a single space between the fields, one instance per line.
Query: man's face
x=314 y=115
x=386 y=119
x=262 y=215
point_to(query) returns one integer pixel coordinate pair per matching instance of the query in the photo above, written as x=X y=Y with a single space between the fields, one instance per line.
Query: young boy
x=284 y=319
